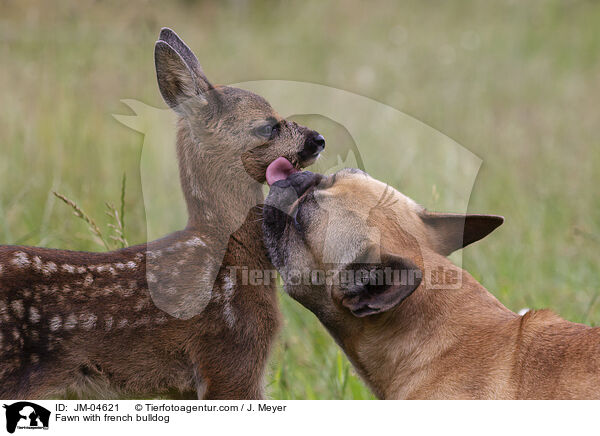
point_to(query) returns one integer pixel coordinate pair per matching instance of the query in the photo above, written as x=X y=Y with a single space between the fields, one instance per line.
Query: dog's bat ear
x=450 y=232
x=377 y=288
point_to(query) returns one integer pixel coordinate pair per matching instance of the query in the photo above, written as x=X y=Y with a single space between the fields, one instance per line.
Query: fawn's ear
x=179 y=84
x=170 y=37
x=450 y=232
x=377 y=288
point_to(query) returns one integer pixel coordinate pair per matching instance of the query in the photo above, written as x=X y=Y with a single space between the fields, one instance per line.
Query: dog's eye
x=265 y=131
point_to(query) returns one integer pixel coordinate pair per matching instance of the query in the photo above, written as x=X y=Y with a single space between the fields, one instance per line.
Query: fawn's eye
x=265 y=131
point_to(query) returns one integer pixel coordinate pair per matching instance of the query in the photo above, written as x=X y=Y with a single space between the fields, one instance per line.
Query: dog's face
x=371 y=241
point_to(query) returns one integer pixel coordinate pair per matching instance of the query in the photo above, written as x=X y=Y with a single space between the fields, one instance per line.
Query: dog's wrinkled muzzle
x=284 y=194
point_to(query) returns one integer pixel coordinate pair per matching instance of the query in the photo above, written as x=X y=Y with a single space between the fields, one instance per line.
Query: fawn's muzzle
x=313 y=145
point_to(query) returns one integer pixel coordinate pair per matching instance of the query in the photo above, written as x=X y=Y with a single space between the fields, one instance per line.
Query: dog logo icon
x=26 y=415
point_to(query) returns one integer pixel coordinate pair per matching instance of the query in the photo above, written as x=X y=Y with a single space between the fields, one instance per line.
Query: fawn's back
x=71 y=315
x=91 y=323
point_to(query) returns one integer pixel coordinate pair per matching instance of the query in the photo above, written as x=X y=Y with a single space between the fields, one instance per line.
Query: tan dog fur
x=440 y=342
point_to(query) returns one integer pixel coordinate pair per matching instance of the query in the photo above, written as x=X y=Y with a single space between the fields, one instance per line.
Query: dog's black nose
x=284 y=193
x=298 y=182
x=303 y=180
x=313 y=145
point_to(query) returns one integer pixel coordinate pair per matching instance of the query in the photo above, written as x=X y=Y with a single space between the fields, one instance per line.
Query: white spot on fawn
x=195 y=242
x=105 y=268
x=1 y=269
x=81 y=269
x=4 y=311
x=228 y=312
x=131 y=264
x=108 y=322
x=89 y=279
x=37 y=263
x=68 y=268
x=55 y=323
x=21 y=259
x=49 y=268
x=122 y=323
x=34 y=315
x=88 y=321
x=120 y=266
x=229 y=315
x=71 y=322
x=228 y=287
x=18 y=308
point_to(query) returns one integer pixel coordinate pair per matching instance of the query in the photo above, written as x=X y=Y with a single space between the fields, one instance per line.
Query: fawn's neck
x=217 y=190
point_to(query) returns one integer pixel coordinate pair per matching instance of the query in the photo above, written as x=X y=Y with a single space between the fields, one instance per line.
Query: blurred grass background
x=516 y=83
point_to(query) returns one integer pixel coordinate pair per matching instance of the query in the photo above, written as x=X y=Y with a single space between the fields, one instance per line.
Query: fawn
x=168 y=317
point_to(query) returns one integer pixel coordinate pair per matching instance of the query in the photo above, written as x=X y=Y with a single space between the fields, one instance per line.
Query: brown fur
x=454 y=341
x=94 y=324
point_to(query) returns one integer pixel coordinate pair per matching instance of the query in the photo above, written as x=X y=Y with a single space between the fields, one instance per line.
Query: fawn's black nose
x=320 y=141
x=313 y=145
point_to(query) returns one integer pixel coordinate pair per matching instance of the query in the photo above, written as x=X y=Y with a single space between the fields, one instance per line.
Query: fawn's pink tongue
x=279 y=169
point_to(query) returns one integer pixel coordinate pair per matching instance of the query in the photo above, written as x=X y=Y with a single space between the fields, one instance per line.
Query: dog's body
x=165 y=318
x=464 y=344
x=428 y=338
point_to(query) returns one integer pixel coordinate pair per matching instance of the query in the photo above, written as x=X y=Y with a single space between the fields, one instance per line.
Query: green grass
x=516 y=84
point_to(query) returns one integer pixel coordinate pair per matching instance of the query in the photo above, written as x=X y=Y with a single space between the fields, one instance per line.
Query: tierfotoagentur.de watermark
x=387 y=276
